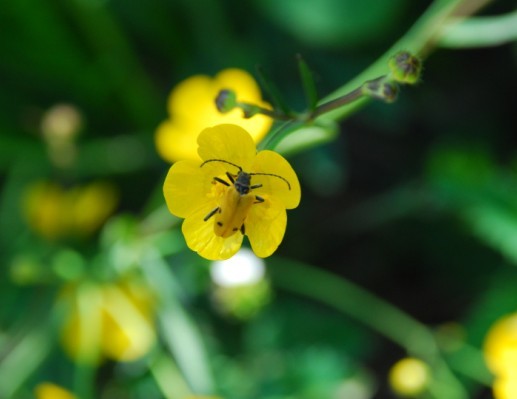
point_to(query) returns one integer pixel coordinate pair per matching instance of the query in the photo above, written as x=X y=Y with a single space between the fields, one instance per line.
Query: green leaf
x=307 y=136
x=481 y=32
x=181 y=334
x=273 y=92
x=309 y=86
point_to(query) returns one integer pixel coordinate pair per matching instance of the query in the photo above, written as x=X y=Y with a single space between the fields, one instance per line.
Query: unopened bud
x=226 y=100
x=381 y=89
x=405 y=67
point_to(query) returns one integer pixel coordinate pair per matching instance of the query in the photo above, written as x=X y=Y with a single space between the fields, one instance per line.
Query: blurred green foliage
x=405 y=242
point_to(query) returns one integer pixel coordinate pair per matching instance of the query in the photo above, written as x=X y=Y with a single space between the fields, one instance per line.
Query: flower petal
x=229 y=143
x=176 y=140
x=186 y=188
x=284 y=185
x=265 y=227
x=200 y=237
x=127 y=331
x=47 y=390
x=241 y=82
x=190 y=97
x=192 y=108
x=247 y=90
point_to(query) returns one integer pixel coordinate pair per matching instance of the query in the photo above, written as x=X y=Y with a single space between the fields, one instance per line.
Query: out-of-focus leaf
x=271 y=89
x=309 y=86
x=307 y=136
x=23 y=351
x=496 y=226
x=483 y=194
x=180 y=332
x=481 y=32
x=334 y=22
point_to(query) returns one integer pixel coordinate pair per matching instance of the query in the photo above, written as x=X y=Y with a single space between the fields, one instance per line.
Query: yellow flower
x=55 y=212
x=192 y=108
x=47 y=390
x=409 y=376
x=233 y=191
x=505 y=387
x=112 y=320
x=500 y=346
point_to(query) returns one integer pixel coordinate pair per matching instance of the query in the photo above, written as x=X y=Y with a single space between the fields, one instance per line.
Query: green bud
x=381 y=89
x=226 y=100
x=405 y=67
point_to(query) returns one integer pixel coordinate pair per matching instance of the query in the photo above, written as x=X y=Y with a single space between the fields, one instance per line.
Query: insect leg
x=212 y=213
x=230 y=176
x=258 y=199
x=219 y=180
x=255 y=186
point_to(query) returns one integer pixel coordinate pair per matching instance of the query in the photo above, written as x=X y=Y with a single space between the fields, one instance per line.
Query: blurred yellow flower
x=409 y=376
x=191 y=108
x=500 y=350
x=505 y=387
x=113 y=320
x=500 y=346
x=47 y=390
x=56 y=212
x=233 y=192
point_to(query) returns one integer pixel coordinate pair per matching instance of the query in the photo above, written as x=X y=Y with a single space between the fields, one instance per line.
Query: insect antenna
x=271 y=174
x=220 y=160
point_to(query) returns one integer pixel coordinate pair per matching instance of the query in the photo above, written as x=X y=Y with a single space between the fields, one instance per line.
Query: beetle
x=234 y=205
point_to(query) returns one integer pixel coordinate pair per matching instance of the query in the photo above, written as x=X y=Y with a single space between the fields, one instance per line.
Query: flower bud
x=225 y=101
x=381 y=89
x=405 y=67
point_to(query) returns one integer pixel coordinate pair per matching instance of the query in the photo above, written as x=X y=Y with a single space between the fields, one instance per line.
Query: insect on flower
x=235 y=203
x=234 y=191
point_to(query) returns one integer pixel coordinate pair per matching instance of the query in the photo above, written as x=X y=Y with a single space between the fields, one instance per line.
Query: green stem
x=181 y=334
x=88 y=297
x=419 y=40
x=84 y=381
x=356 y=302
x=338 y=102
x=305 y=116
x=252 y=109
x=168 y=377
x=373 y=312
